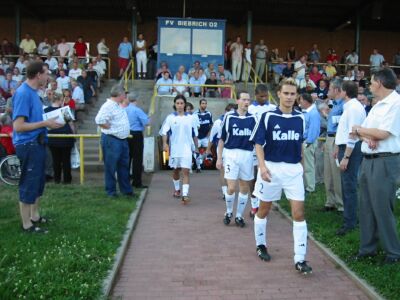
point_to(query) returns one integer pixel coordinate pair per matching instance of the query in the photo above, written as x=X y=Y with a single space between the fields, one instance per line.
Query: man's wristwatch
x=346 y=157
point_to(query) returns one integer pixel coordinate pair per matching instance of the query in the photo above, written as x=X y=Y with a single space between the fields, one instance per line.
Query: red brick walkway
x=186 y=252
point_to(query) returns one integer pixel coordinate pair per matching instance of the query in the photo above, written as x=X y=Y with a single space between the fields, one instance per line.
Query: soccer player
x=215 y=134
x=278 y=139
x=181 y=129
x=236 y=152
x=206 y=122
x=257 y=108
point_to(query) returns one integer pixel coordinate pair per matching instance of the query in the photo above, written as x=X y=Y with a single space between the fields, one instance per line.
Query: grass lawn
x=72 y=260
x=323 y=225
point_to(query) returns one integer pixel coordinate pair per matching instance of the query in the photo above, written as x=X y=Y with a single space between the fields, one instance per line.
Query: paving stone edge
x=109 y=281
x=369 y=290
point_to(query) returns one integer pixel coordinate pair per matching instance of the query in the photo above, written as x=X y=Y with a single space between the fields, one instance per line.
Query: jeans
x=349 y=185
x=116 y=160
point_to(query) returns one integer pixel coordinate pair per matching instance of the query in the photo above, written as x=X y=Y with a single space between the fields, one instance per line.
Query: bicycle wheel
x=10 y=170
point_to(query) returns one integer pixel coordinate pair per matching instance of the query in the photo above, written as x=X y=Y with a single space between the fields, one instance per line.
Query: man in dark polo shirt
x=29 y=138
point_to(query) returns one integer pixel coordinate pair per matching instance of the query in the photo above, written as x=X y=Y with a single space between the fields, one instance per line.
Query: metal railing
x=79 y=57
x=129 y=74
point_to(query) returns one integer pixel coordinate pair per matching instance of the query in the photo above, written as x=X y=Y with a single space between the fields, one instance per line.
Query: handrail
x=129 y=71
x=58 y=56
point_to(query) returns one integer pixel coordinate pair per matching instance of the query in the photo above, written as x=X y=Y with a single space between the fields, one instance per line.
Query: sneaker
x=177 y=194
x=239 y=222
x=253 y=212
x=227 y=218
x=303 y=268
x=185 y=200
x=262 y=253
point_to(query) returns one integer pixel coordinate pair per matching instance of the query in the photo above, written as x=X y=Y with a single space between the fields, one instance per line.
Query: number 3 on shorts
x=261 y=188
x=228 y=168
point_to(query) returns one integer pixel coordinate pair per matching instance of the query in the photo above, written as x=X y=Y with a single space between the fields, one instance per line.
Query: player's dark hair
x=202 y=100
x=34 y=68
x=307 y=97
x=351 y=88
x=261 y=88
x=177 y=97
x=386 y=77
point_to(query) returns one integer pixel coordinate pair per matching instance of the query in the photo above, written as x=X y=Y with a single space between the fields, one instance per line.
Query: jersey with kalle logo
x=206 y=122
x=236 y=131
x=281 y=135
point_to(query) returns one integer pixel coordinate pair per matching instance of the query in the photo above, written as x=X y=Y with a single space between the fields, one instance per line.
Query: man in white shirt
x=63 y=81
x=63 y=48
x=380 y=169
x=182 y=90
x=164 y=89
x=114 y=124
x=44 y=47
x=78 y=95
x=52 y=62
x=247 y=62
x=352 y=58
x=348 y=153
x=300 y=67
x=102 y=48
x=75 y=72
x=376 y=59
x=237 y=53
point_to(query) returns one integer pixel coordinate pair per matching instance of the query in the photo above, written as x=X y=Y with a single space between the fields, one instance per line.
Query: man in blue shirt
x=311 y=134
x=138 y=120
x=29 y=139
x=333 y=186
x=278 y=139
x=206 y=122
x=124 y=54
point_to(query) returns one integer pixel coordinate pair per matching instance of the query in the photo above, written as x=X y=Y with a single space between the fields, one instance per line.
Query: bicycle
x=10 y=170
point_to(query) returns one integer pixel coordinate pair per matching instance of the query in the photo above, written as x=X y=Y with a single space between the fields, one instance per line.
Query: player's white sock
x=241 y=204
x=229 y=199
x=255 y=203
x=300 y=240
x=198 y=161
x=260 y=230
x=177 y=184
x=224 y=189
x=185 y=190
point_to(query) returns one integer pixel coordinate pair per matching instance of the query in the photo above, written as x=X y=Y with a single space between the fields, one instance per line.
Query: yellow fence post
x=133 y=70
x=82 y=167
x=109 y=68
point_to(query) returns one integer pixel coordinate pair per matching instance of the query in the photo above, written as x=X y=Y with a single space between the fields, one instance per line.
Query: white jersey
x=181 y=130
x=256 y=109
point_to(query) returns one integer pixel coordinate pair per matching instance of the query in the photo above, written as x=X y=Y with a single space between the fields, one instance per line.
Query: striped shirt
x=110 y=112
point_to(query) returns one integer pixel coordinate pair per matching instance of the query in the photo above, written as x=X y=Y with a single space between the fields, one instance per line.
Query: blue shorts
x=32 y=157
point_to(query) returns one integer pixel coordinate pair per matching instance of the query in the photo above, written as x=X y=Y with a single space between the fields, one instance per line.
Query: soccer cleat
x=262 y=253
x=253 y=212
x=185 y=200
x=303 y=268
x=177 y=194
x=239 y=222
x=227 y=218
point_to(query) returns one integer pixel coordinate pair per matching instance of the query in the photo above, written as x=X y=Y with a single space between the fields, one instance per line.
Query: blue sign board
x=184 y=41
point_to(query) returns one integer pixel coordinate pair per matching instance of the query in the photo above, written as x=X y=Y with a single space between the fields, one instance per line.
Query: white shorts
x=238 y=164
x=286 y=177
x=180 y=162
x=255 y=160
x=203 y=143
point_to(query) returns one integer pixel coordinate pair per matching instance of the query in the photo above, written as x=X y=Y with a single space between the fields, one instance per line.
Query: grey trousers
x=378 y=182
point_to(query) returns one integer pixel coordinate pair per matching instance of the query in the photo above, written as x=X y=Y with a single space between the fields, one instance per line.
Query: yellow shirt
x=28 y=46
x=330 y=71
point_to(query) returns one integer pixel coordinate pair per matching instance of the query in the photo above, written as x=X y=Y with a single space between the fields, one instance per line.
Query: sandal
x=41 y=220
x=35 y=229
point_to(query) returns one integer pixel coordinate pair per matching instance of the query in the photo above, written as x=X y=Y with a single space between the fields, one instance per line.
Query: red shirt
x=316 y=77
x=71 y=104
x=80 y=49
x=332 y=57
x=7 y=141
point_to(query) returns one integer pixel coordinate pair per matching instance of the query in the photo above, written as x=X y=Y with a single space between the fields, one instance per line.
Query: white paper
x=63 y=115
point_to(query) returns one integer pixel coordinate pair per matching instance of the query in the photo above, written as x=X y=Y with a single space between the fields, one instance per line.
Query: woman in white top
x=141 y=56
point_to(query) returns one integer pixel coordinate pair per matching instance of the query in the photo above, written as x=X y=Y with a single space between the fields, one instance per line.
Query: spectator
x=330 y=70
x=396 y=62
x=27 y=45
x=78 y=97
x=311 y=134
x=210 y=68
x=124 y=54
x=228 y=54
x=376 y=59
x=163 y=68
x=63 y=49
x=306 y=85
x=44 y=47
x=314 y=55
x=163 y=89
x=181 y=70
x=152 y=51
x=349 y=76
x=61 y=147
x=16 y=76
x=53 y=50
x=93 y=74
x=81 y=50
x=222 y=71
x=352 y=58
x=8 y=48
x=226 y=92
x=114 y=124
x=141 y=56
x=212 y=92
x=315 y=75
x=52 y=62
x=102 y=48
x=291 y=54
x=138 y=120
x=300 y=67
x=63 y=81
x=348 y=153
x=6 y=128
x=20 y=65
x=322 y=89
x=237 y=53
x=9 y=84
x=68 y=101
x=196 y=91
x=247 y=64
x=88 y=86
x=365 y=102
x=180 y=89
x=288 y=70
x=261 y=51
x=75 y=72
x=196 y=67
x=332 y=56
